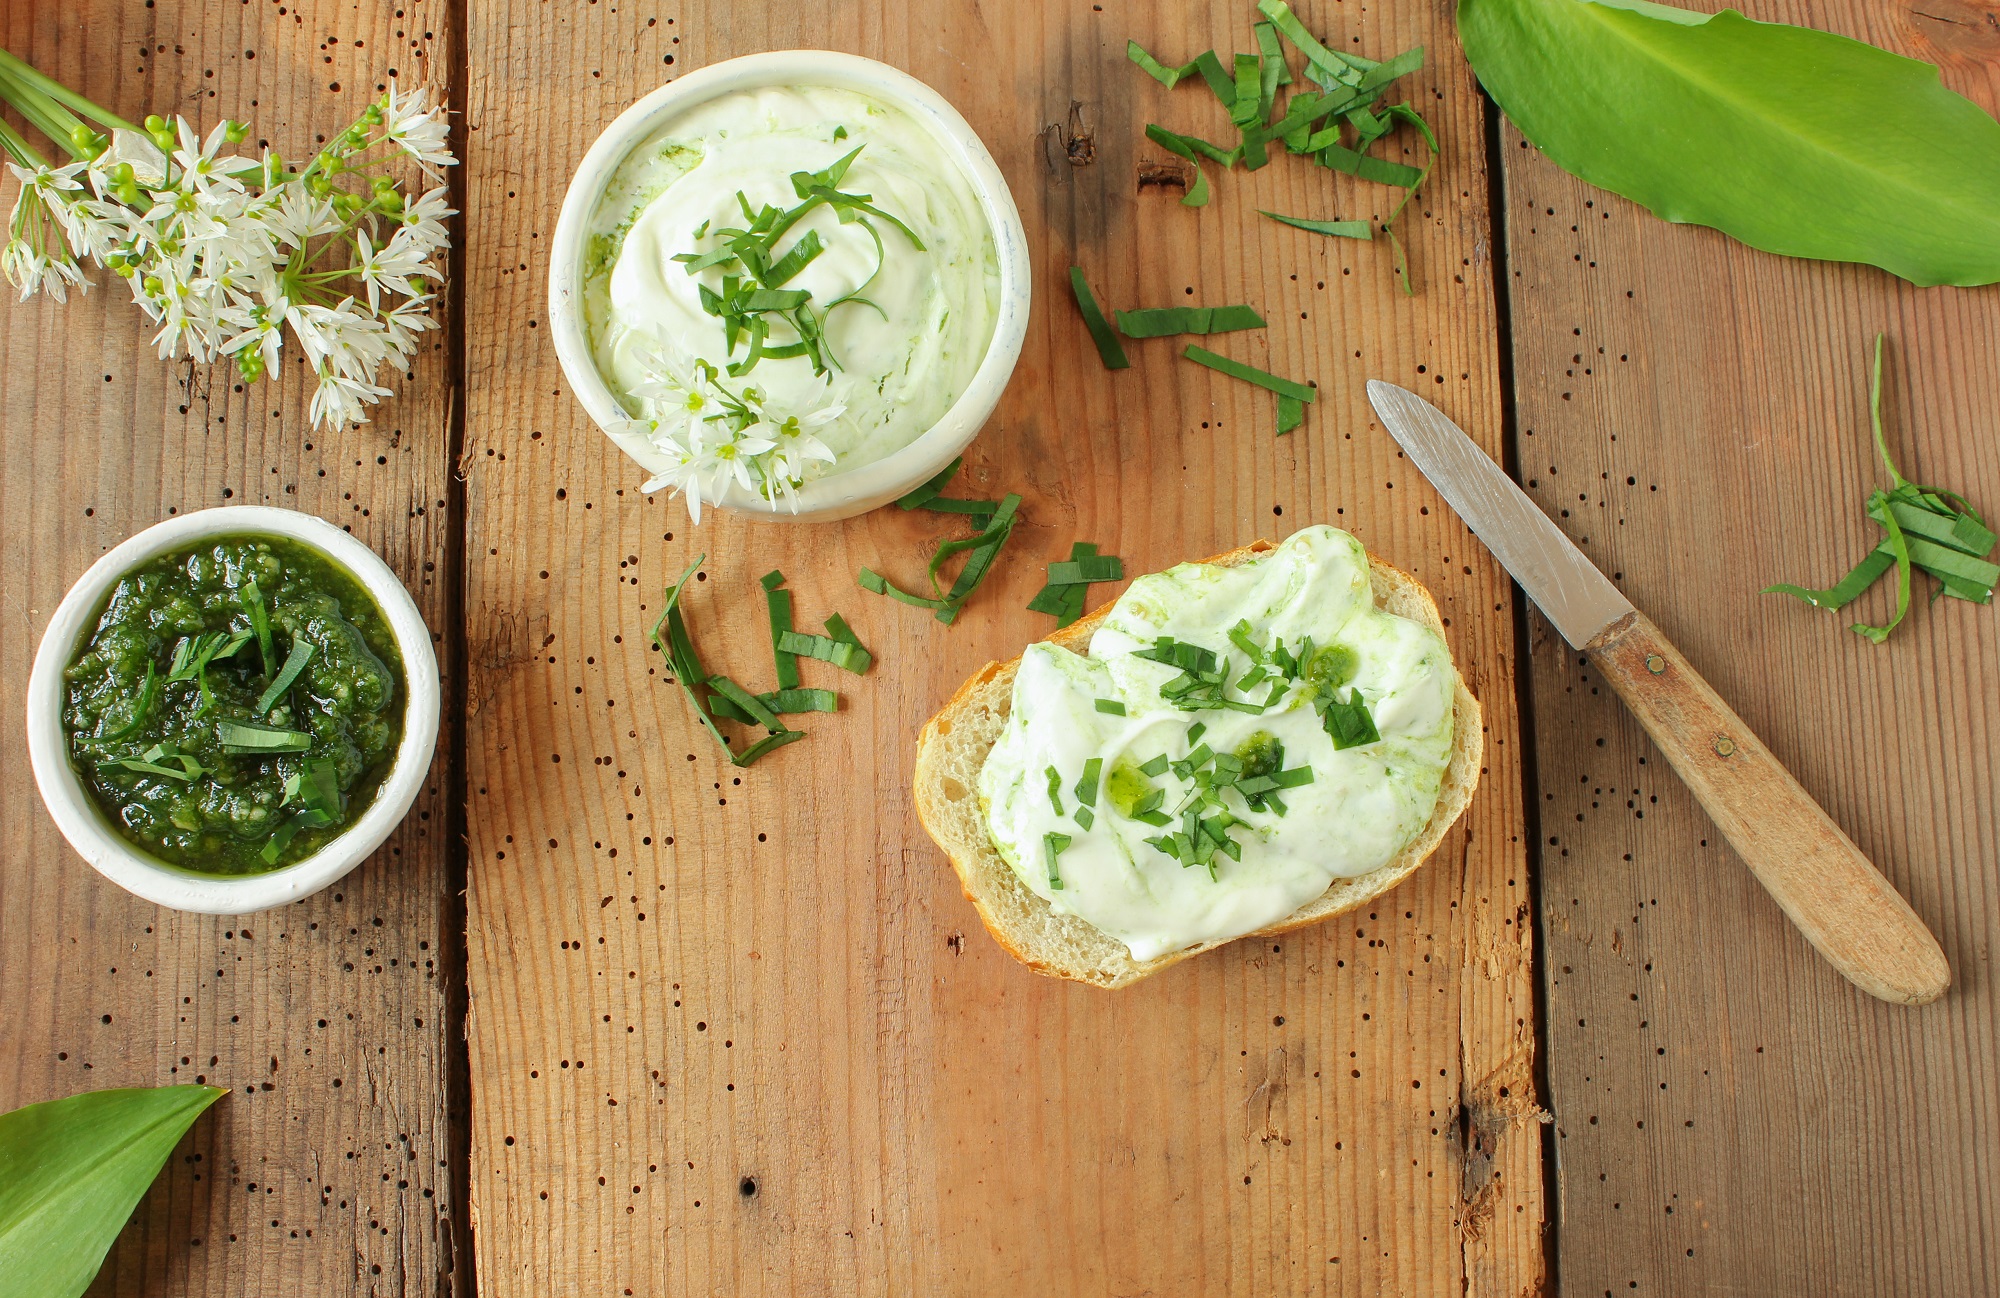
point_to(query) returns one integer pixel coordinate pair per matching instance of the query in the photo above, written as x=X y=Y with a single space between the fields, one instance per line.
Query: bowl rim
x=865 y=486
x=143 y=875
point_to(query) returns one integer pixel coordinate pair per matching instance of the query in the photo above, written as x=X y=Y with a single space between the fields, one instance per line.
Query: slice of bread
x=953 y=747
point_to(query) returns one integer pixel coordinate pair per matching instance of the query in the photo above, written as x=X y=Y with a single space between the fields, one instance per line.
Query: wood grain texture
x=739 y=1031
x=325 y=1169
x=1835 y=895
x=1731 y=1116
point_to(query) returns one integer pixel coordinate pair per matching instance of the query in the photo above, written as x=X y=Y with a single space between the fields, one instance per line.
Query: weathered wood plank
x=325 y=1171
x=739 y=1030
x=1732 y=1116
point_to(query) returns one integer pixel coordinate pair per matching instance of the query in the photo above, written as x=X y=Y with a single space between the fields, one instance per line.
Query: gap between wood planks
x=1470 y=1111
x=462 y=1280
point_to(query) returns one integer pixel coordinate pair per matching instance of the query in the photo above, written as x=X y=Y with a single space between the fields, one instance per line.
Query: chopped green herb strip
x=1161 y=322
x=149 y=698
x=771 y=580
x=875 y=582
x=1249 y=81
x=1337 y=229
x=1086 y=785
x=1383 y=73
x=1108 y=348
x=765 y=745
x=778 y=603
x=1051 y=599
x=1166 y=76
x=1095 y=568
x=1055 y=791
x=801 y=700
x=1369 y=167
x=1155 y=767
x=1348 y=722
x=154 y=762
x=1085 y=817
x=1250 y=374
x=1196 y=731
x=295 y=662
x=848 y=656
x=252 y=598
x=1197 y=194
x=747 y=703
x=242 y=738
x=281 y=838
x=1069 y=582
x=928 y=491
x=980 y=550
x=1111 y=707
x=1281 y=16
x=1055 y=844
x=1926 y=528
x=1291 y=413
x=316 y=788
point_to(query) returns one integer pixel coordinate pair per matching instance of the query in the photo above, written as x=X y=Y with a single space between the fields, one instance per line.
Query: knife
x=1815 y=873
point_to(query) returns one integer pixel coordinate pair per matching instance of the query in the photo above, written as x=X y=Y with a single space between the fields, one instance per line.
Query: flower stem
x=18 y=148
x=42 y=112
x=62 y=94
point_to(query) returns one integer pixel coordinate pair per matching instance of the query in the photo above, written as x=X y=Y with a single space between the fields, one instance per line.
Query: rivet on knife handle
x=1838 y=899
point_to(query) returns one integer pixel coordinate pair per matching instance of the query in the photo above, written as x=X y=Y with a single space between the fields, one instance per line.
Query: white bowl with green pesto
x=793 y=284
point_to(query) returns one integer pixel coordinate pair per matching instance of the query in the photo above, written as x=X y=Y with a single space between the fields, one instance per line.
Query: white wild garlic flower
x=228 y=253
x=712 y=437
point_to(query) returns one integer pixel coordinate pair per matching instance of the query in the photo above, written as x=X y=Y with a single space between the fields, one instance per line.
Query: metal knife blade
x=1564 y=584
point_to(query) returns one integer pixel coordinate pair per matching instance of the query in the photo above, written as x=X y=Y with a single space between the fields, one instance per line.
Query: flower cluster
x=712 y=437
x=227 y=253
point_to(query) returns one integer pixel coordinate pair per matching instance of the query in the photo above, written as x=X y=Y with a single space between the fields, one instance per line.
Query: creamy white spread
x=903 y=361
x=1364 y=803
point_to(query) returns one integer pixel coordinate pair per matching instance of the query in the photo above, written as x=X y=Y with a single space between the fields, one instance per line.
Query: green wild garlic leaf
x=1795 y=141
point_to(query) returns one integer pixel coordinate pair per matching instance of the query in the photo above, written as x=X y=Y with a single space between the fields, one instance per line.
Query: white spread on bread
x=1363 y=804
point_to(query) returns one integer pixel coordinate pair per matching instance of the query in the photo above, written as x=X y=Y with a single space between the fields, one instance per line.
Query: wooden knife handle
x=1838 y=899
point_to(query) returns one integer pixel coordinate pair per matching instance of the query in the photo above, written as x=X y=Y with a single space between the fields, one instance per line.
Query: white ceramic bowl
x=143 y=875
x=856 y=490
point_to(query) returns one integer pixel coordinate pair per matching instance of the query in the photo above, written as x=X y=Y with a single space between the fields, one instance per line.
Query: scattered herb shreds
x=752 y=299
x=717 y=696
x=1070 y=581
x=1927 y=527
x=1336 y=124
x=1108 y=347
x=993 y=522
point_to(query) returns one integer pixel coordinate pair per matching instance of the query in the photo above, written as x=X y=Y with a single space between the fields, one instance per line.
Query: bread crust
x=953 y=745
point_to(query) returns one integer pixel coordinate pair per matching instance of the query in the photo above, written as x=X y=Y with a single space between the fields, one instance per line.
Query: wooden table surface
x=608 y=1016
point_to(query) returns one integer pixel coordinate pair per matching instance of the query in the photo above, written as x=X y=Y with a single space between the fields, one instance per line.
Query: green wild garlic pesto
x=1237 y=740
x=877 y=300
x=237 y=706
